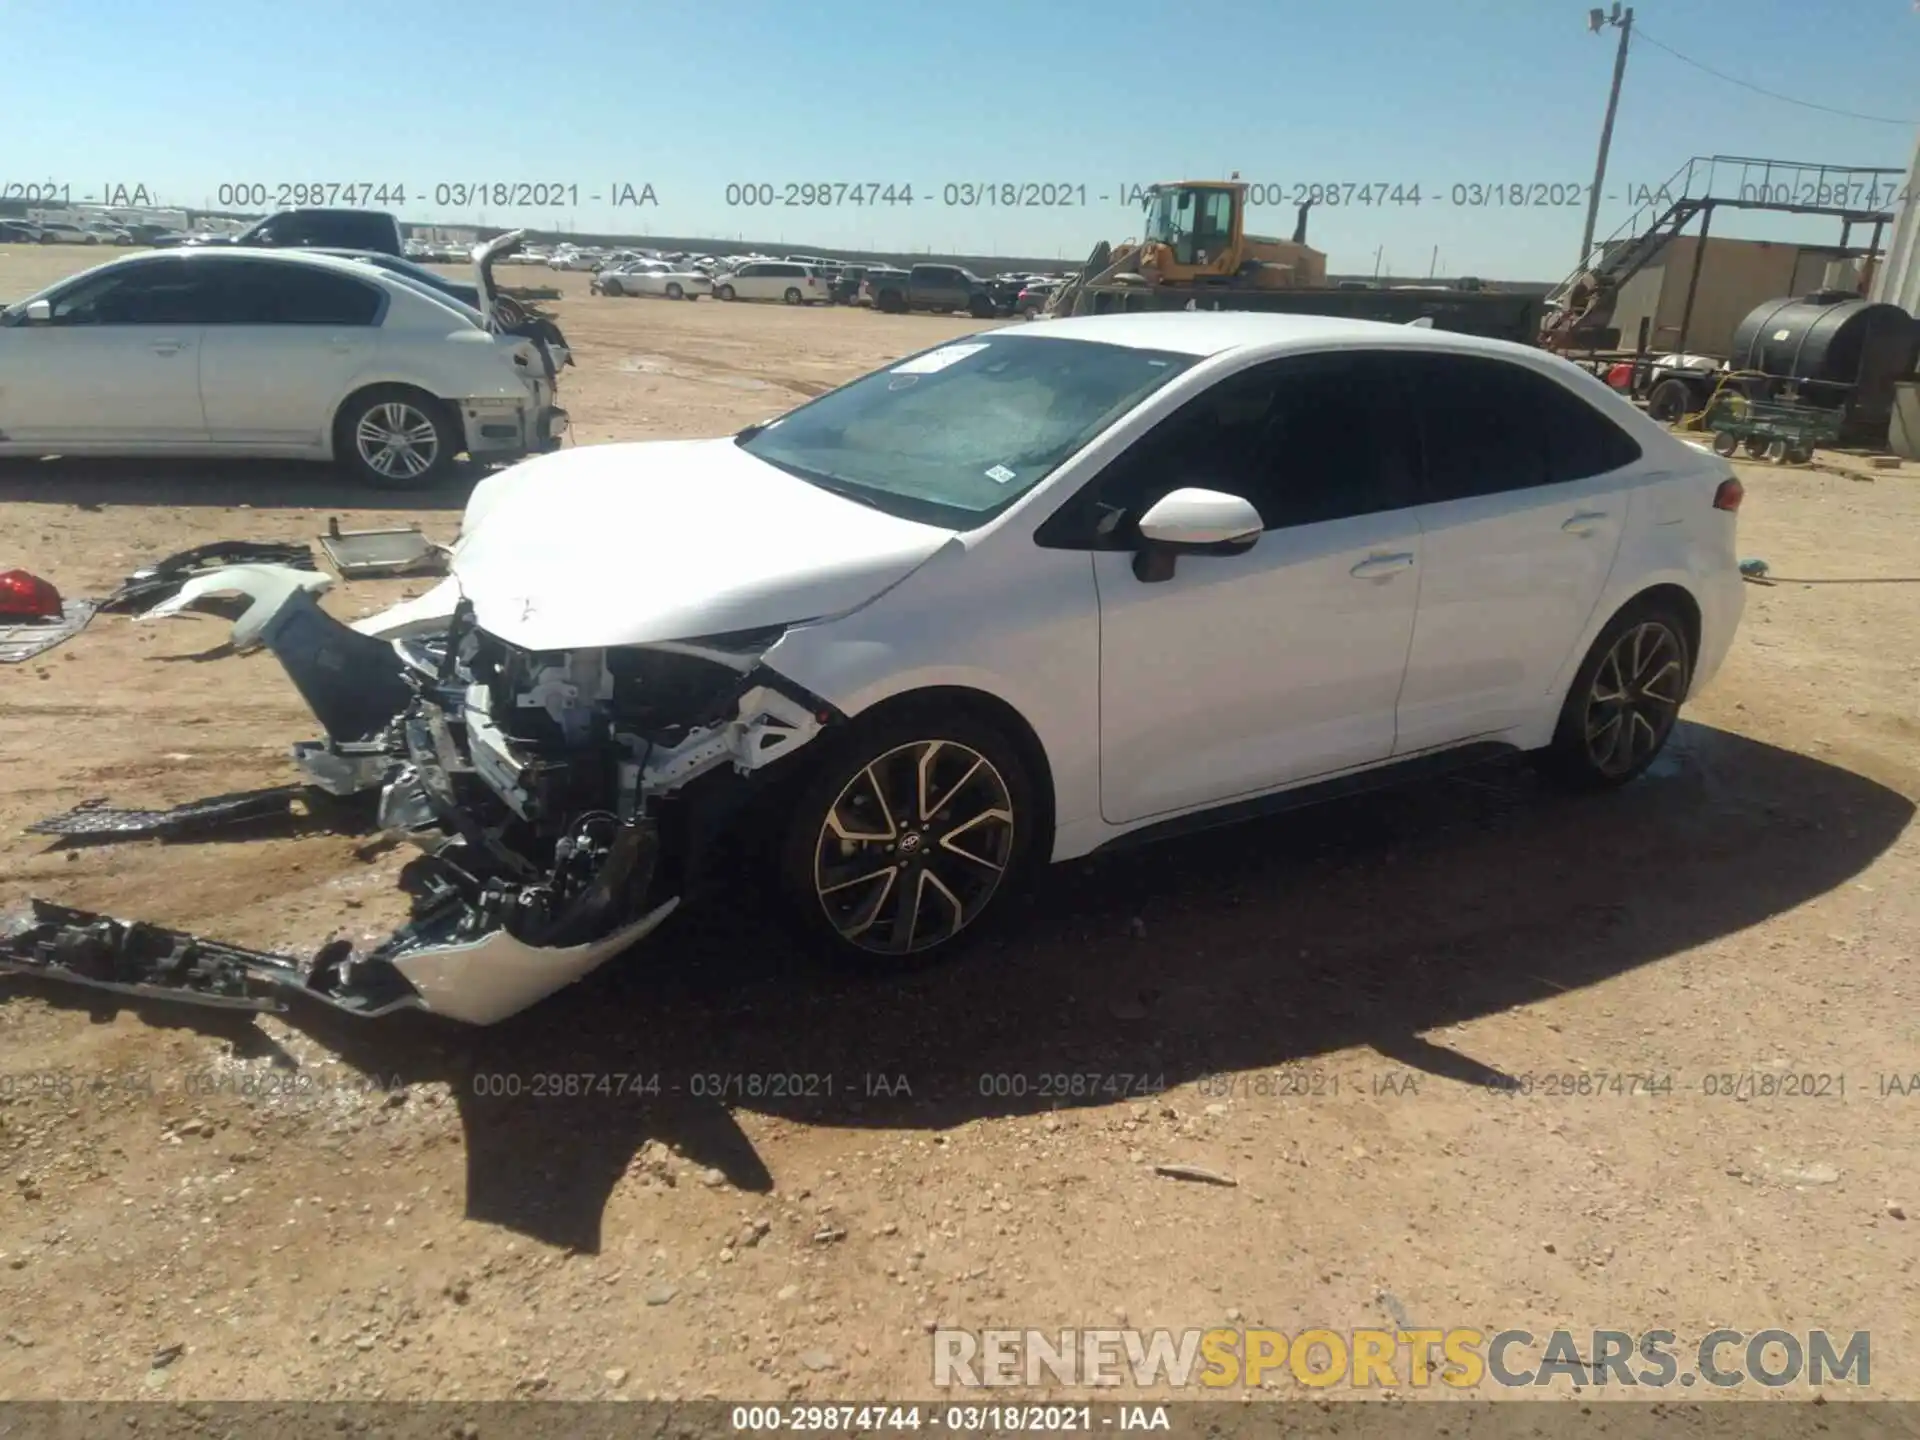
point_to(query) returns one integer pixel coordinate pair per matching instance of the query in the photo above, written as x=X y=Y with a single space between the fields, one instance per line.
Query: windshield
x=1169 y=216
x=954 y=435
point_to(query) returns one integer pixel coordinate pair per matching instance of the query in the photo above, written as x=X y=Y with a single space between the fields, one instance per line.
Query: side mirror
x=1198 y=522
x=39 y=312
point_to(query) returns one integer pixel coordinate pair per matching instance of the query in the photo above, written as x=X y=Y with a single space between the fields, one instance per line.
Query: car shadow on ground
x=1365 y=922
x=95 y=484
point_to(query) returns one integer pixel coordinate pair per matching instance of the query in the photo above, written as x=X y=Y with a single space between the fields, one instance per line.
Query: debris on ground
x=1194 y=1172
x=379 y=554
x=95 y=819
x=149 y=585
x=33 y=616
x=266 y=588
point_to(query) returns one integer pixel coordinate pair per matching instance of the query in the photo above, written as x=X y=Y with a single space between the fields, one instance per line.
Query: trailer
x=1498 y=315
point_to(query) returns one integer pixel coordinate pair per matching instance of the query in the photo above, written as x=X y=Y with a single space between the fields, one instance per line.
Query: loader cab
x=1199 y=225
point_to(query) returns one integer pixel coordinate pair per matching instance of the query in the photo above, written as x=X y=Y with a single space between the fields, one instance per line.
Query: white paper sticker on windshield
x=936 y=360
x=1000 y=474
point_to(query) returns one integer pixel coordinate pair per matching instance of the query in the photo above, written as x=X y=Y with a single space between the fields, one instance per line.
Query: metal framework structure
x=1852 y=194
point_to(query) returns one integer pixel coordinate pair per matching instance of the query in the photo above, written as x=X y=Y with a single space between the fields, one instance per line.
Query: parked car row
x=287 y=353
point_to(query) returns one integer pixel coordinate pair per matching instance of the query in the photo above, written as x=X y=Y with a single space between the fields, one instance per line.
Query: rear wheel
x=902 y=843
x=1725 y=442
x=1624 y=701
x=1670 y=400
x=793 y=295
x=674 y=290
x=396 y=438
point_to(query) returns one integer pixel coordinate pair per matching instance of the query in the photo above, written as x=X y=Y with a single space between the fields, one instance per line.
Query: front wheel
x=904 y=841
x=674 y=290
x=1624 y=701
x=725 y=292
x=396 y=438
x=793 y=296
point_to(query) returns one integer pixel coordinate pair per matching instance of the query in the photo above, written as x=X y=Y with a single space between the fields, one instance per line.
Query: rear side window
x=342 y=230
x=292 y=294
x=1490 y=427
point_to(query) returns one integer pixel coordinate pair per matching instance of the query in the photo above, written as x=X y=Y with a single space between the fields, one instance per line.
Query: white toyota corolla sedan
x=1014 y=599
x=282 y=354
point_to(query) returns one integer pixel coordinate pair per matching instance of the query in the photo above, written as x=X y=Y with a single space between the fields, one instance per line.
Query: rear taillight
x=27 y=597
x=1729 y=495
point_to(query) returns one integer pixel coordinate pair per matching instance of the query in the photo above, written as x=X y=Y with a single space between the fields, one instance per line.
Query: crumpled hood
x=627 y=544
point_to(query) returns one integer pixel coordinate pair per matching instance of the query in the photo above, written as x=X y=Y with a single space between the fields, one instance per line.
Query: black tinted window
x=341 y=230
x=1477 y=420
x=1305 y=440
x=264 y=294
x=1581 y=440
x=159 y=292
x=1490 y=427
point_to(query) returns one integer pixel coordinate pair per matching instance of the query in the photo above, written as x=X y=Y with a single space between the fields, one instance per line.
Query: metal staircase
x=1854 y=194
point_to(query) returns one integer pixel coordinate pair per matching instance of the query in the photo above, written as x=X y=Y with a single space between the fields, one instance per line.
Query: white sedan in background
x=282 y=354
x=653 y=277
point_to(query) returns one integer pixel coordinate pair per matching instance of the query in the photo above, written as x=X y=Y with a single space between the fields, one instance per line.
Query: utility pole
x=1598 y=20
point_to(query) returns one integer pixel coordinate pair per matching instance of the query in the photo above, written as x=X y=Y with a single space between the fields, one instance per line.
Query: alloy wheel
x=913 y=847
x=1635 y=698
x=397 y=440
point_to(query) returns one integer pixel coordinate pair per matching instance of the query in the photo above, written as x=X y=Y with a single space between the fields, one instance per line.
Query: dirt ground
x=1325 y=1008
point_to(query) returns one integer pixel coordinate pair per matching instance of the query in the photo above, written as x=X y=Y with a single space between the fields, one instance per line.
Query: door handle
x=168 y=347
x=1584 y=523
x=1375 y=565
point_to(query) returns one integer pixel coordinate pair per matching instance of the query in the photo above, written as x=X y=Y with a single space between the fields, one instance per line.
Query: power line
x=1762 y=90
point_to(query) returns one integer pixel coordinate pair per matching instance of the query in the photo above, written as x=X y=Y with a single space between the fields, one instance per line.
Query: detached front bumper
x=522 y=888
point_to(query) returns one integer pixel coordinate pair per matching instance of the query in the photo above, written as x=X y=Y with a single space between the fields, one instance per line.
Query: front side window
x=954 y=435
x=163 y=292
x=1304 y=440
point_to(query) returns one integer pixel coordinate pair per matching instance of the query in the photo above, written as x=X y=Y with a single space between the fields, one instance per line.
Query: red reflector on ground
x=28 y=597
x=1729 y=495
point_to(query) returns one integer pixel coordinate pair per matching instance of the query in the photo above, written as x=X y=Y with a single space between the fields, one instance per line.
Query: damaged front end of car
x=562 y=801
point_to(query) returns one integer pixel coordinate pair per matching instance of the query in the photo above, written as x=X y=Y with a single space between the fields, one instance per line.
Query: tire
x=892 y=302
x=674 y=290
x=1670 y=400
x=725 y=292
x=1756 y=448
x=1725 y=442
x=1776 y=451
x=384 y=410
x=1799 y=454
x=850 y=896
x=980 y=307
x=793 y=296
x=1624 y=701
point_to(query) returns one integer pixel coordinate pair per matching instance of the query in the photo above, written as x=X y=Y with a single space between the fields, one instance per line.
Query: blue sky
x=192 y=94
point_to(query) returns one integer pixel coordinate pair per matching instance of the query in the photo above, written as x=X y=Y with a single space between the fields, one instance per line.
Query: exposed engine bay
x=561 y=802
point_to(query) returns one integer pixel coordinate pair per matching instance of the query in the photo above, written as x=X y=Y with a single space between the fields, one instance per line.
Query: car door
x=289 y=340
x=1248 y=672
x=1523 y=495
x=116 y=364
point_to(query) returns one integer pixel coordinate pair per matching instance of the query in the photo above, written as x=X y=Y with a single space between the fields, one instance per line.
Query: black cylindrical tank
x=1837 y=350
x=1832 y=336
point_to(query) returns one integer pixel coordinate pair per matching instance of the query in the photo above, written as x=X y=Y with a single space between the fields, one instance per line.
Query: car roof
x=1215 y=332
